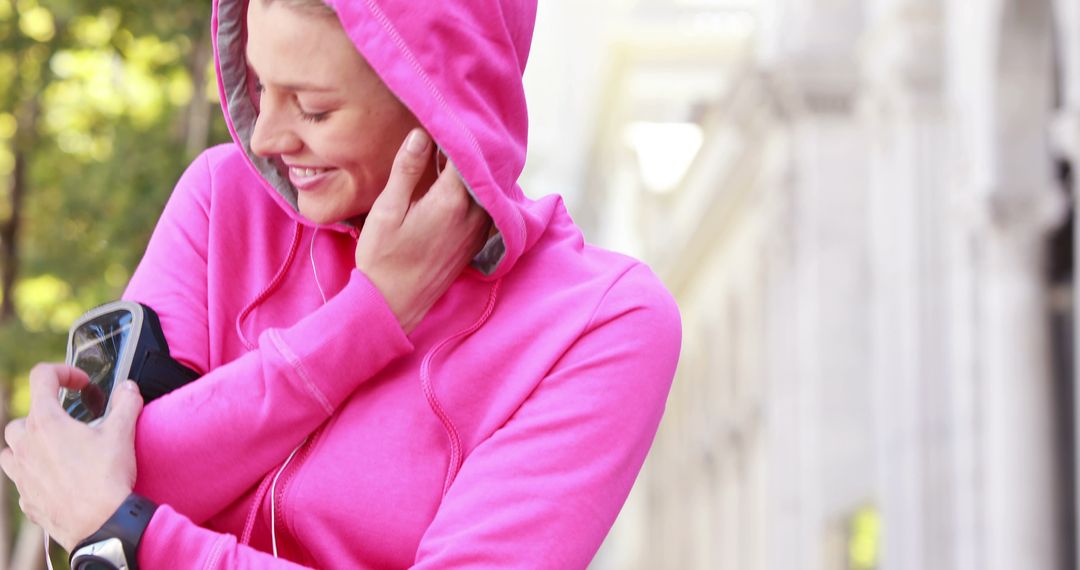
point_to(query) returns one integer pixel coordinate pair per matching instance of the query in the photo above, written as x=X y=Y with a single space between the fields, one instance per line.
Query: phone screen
x=97 y=348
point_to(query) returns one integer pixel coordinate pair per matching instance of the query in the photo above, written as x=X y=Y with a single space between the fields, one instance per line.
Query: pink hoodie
x=505 y=431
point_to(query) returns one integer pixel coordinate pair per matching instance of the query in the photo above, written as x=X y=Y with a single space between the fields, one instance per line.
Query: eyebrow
x=303 y=87
x=290 y=86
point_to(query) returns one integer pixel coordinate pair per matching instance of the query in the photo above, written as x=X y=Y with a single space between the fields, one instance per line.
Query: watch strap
x=127 y=524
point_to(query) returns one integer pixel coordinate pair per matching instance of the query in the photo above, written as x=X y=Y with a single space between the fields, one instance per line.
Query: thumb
x=127 y=404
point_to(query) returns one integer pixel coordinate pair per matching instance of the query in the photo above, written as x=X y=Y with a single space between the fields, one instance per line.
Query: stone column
x=1020 y=474
x=819 y=427
x=1012 y=186
x=786 y=504
x=907 y=120
x=820 y=413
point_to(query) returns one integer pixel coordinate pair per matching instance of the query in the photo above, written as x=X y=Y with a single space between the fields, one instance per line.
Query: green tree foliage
x=100 y=106
x=109 y=86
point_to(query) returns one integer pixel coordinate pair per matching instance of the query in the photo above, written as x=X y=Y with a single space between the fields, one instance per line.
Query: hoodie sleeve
x=173 y=541
x=544 y=489
x=260 y=406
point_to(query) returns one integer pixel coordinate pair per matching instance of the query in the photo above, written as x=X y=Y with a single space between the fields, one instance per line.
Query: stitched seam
x=300 y=369
x=206 y=285
x=400 y=43
x=407 y=53
x=215 y=554
x=596 y=309
x=256 y=501
x=288 y=488
x=312 y=444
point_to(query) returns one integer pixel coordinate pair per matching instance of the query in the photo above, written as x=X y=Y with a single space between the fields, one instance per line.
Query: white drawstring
x=273 y=497
x=314 y=270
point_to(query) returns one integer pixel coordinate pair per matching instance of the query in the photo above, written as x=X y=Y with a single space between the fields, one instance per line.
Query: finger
x=46 y=381
x=478 y=215
x=14 y=432
x=45 y=389
x=71 y=378
x=409 y=166
x=451 y=180
x=450 y=192
x=127 y=404
x=65 y=376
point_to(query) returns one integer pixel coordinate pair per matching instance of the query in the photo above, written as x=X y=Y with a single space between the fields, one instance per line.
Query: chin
x=325 y=216
x=319 y=211
x=335 y=205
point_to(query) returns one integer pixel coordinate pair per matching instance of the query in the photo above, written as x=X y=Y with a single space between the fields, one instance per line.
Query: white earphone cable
x=48 y=559
x=314 y=270
x=273 y=497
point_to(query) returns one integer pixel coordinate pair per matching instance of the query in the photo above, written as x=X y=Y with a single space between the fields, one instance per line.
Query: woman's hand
x=412 y=250
x=71 y=476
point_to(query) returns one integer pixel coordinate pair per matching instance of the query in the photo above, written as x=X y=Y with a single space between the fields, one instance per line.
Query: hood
x=457 y=66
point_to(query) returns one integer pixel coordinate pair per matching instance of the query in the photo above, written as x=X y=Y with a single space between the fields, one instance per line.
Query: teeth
x=307 y=172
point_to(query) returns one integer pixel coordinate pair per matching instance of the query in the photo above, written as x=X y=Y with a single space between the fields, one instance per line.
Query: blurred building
x=864 y=209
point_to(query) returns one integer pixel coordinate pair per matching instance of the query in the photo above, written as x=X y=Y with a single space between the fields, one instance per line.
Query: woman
x=449 y=377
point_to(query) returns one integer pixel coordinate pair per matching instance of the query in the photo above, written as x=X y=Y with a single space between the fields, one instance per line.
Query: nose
x=273 y=135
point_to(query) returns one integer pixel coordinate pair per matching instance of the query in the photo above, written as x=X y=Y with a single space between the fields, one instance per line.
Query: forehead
x=289 y=44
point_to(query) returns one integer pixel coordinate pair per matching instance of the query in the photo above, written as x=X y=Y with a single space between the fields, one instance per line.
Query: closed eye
x=309 y=117
x=314 y=117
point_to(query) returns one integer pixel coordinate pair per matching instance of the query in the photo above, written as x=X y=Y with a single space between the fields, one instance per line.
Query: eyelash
x=314 y=117
x=309 y=117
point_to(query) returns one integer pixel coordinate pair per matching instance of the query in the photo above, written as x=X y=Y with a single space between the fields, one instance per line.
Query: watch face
x=93 y=563
x=107 y=554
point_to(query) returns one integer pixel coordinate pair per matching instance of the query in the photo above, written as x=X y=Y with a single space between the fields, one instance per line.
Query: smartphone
x=100 y=344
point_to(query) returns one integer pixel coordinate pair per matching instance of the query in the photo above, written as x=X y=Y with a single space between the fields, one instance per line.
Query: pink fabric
x=505 y=431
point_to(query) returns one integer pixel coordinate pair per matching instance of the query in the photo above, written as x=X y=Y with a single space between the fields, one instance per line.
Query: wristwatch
x=114 y=545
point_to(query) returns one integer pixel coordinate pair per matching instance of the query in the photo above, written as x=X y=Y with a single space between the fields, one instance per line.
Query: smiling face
x=322 y=111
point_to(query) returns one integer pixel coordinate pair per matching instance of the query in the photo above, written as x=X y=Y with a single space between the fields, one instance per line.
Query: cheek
x=345 y=149
x=363 y=144
x=369 y=162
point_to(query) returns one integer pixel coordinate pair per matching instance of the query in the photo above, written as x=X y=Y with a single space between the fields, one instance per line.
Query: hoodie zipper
x=287 y=477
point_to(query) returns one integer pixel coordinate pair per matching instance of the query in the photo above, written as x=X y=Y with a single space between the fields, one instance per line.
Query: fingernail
x=131 y=385
x=418 y=142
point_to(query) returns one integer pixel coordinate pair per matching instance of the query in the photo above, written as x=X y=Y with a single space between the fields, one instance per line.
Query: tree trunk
x=25 y=138
x=197 y=123
x=9 y=237
x=9 y=233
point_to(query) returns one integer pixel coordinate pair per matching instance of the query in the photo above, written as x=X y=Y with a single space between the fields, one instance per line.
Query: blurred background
x=863 y=207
